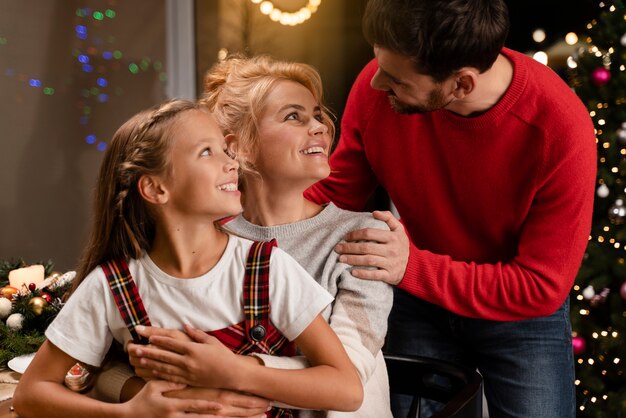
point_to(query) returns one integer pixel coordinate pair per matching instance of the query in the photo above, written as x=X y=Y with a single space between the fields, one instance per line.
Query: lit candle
x=26 y=275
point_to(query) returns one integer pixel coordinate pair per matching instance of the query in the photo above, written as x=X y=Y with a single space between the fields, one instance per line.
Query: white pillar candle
x=26 y=275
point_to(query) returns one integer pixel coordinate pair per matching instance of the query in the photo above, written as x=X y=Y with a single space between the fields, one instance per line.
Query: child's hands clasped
x=193 y=358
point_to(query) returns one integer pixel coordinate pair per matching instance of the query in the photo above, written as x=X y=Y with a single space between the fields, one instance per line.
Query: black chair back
x=458 y=388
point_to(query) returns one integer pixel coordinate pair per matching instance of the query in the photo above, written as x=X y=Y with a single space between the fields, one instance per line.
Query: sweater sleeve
x=550 y=245
x=549 y=250
x=359 y=318
x=352 y=181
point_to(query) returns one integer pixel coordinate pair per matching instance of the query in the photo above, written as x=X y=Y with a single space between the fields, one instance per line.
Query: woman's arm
x=331 y=383
x=41 y=393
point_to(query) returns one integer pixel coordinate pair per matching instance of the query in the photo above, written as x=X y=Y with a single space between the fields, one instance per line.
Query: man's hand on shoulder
x=386 y=251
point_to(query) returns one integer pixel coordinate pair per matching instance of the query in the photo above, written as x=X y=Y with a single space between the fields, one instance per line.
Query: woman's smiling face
x=293 y=143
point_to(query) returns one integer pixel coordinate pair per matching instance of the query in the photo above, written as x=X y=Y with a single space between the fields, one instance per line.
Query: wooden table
x=8 y=383
x=5 y=409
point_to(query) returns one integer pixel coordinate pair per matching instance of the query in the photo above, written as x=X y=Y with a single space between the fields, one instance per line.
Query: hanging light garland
x=288 y=18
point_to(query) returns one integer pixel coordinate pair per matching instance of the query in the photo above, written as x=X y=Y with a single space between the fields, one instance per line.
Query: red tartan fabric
x=238 y=338
x=126 y=297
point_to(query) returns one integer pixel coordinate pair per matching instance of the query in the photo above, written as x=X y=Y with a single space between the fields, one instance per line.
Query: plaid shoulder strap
x=126 y=297
x=256 y=290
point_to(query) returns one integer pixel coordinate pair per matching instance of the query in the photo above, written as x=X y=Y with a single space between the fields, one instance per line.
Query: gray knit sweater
x=359 y=312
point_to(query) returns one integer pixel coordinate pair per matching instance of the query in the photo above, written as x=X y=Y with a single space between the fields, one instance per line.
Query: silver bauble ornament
x=602 y=191
x=588 y=292
x=617 y=212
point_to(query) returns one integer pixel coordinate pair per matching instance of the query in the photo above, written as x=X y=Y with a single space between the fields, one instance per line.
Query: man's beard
x=436 y=101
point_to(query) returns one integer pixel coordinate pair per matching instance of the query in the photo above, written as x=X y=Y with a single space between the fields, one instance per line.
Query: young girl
x=282 y=135
x=156 y=256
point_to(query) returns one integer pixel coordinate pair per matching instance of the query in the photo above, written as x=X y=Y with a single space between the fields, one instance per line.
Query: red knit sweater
x=498 y=207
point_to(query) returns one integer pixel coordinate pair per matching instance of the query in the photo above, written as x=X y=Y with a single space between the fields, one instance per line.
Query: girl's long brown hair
x=122 y=226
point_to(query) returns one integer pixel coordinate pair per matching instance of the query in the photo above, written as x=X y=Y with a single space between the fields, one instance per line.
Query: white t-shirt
x=90 y=319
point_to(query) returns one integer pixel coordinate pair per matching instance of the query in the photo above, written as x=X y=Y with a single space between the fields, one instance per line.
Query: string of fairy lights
x=288 y=18
x=609 y=164
x=96 y=56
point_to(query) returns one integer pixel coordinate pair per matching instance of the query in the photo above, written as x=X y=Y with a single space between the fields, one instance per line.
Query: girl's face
x=293 y=143
x=203 y=176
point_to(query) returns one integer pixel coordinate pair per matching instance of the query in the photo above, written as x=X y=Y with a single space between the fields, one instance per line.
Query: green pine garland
x=27 y=340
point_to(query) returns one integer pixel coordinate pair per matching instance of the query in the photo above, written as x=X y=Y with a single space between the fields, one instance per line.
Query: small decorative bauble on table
x=5 y=308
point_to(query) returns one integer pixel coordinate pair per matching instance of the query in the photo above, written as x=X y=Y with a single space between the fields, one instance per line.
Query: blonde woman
x=273 y=113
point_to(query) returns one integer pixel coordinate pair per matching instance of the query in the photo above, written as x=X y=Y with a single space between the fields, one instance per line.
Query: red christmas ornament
x=32 y=287
x=600 y=76
x=622 y=291
x=46 y=297
x=579 y=345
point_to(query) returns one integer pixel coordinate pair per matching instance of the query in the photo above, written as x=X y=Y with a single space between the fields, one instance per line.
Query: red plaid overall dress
x=255 y=334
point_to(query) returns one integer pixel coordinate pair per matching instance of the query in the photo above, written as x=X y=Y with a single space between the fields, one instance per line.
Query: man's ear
x=465 y=82
x=152 y=189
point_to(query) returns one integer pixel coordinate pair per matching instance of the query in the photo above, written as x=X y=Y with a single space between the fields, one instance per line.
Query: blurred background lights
x=571 y=38
x=81 y=31
x=266 y=7
x=541 y=56
x=222 y=54
x=90 y=139
x=288 y=18
x=539 y=35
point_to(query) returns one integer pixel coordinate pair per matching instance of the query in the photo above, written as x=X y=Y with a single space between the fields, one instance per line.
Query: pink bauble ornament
x=622 y=291
x=600 y=76
x=579 y=345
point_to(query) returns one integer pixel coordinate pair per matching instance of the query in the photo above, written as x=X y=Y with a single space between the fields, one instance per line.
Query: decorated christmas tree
x=598 y=300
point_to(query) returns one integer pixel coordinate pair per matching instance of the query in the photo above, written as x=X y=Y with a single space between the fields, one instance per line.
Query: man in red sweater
x=490 y=160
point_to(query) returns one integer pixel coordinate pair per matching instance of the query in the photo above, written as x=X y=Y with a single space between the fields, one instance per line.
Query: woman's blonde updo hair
x=236 y=90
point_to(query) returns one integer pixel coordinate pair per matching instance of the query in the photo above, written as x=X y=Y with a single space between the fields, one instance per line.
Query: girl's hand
x=205 y=362
x=148 y=332
x=152 y=401
x=234 y=404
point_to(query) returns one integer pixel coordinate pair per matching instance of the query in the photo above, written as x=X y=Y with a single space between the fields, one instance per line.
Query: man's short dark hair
x=440 y=36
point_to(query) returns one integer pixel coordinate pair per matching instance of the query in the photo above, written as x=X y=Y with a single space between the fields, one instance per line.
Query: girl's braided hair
x=123 y=225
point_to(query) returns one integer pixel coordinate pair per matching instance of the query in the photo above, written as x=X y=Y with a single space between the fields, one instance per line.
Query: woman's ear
x=238 y=152
x=152 y=190
x=232 y=143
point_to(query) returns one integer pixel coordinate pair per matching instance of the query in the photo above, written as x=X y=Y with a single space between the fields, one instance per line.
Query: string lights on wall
x=288 y=18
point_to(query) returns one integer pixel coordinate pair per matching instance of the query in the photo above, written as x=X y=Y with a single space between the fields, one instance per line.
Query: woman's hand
x=234 y=404
x=201 y=360
x=157 y=400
